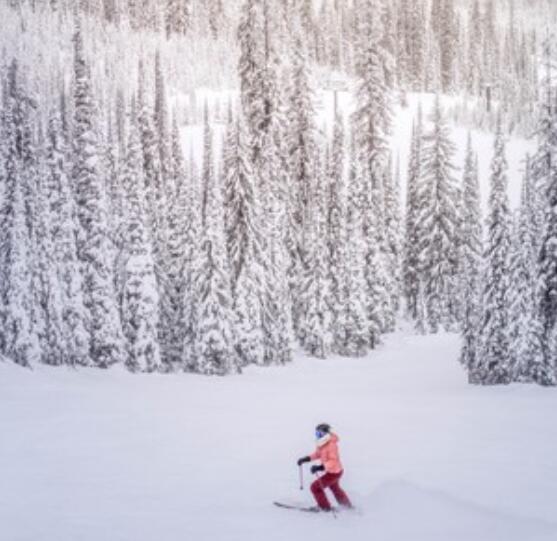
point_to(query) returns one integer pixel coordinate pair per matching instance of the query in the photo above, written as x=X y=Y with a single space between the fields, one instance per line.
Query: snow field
x=95 y=455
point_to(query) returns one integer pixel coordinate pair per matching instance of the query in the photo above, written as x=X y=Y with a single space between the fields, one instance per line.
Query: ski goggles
x=319 y=434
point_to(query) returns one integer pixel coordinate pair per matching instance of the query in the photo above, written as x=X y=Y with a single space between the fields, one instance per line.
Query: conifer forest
x=201 y=186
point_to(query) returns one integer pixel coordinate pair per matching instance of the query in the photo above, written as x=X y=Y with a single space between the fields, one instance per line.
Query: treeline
x=114 y=248
x=484 y=49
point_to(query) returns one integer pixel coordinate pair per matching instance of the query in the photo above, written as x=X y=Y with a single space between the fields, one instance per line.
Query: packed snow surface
x=97 y=456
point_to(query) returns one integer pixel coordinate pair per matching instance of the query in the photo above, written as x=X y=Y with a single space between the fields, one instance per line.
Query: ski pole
x=301 y=472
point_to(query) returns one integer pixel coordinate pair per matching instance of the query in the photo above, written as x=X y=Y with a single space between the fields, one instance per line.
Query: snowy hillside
x=96 y=456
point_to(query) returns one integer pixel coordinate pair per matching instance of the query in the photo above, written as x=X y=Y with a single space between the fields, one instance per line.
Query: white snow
x=96 y=456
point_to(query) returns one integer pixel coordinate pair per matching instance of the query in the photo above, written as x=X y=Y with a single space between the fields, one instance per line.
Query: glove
x=317 y=468
x=304 y=460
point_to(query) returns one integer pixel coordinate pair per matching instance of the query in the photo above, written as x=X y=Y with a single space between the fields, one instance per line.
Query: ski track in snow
x=95 y=455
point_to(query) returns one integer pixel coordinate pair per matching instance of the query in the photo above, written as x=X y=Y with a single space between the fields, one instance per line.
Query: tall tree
x=63 y=227
x=102 y=320
x=470 y=255
x=546 y=164
x=494 y=362
x=372 y=123
x=351 y=331
x=18 y=338
x=438 y=224
x=302 y=140
x=393 y=233
x=140 y=310
x=214 y=332
x=413 y=207
x=336 y=216
x=526 y=328
x=244 y=241
x=315 y=290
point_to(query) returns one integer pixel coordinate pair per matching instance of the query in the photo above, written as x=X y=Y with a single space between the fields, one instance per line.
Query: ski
x=297 y=507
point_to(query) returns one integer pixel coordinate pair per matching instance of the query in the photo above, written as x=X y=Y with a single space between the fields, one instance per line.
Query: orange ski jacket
x=327 y=453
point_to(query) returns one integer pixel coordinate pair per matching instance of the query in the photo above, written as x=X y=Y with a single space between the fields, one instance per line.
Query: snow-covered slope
x=94 y=455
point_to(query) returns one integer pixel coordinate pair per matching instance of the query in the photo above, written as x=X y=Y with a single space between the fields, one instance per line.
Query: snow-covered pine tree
x=526 y=329
x=336 y=215
x=18 y=338
x=438 y=223
x=46 y=301
x=470 y=254
x=153 y=173
x=416 y=39
x=315 y=288
x=447 y=30
x=179 y=247
x=63 y=222
x=153 y=125
x=302 y=139
x=493 y=365
x=277 y=311
x=140 y=303
x=546 y=165
x=252 y=37
x=371 y=124
x=413 y=207
x=169 y=336
x=162 y=123
x=215 y=340
x=192 y=261
x=102 y=319
x=177 y=17
x=244 y=242
x=393 y=233
x=350 y=334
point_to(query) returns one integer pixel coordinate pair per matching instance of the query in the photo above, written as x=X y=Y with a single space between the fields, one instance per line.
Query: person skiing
x=327 y=453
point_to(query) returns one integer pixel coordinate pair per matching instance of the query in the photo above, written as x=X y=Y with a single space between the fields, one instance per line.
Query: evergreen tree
x=372 y=123
x=192 y=260
x=471 y=251
x=351 y=330
x=336 y=215
x=18 y=339
x=214 y=331
x=494 y=362
x=315 y=327
x=413 y=207
x=438 y=225
x=169 y=337
x=252 y=38
x=527 y=333
x=244 y=242
x=546 y=164
x=178 y=250
x=64 y=260
x=302 y=139
x=177 y=17
x=93 y=236
x=140 y=299
x=277 y=311
x=393 y=221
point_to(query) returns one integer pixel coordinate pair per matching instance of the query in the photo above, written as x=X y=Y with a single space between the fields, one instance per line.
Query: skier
x=327 y=454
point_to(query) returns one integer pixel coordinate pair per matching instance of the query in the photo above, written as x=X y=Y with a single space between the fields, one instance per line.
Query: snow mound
x=401 y=510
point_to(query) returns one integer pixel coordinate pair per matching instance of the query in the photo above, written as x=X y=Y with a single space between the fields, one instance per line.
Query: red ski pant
x=329 y=480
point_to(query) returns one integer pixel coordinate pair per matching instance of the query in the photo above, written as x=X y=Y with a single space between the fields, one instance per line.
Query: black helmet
x=323 y=427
